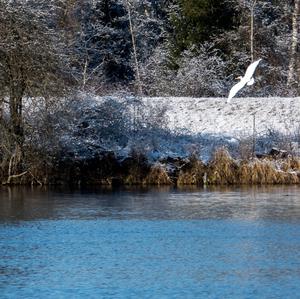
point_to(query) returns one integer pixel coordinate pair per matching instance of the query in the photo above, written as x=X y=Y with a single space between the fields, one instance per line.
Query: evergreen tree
x=271 y=36
x=197 y=21
x=101 y=43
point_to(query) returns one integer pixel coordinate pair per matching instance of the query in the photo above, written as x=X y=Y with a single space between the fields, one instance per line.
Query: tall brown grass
x=222 y=169
x=192 y=173
x=264 y=172
x=135 y=168
x=157 y=176
x=258 y=172
x=290 y=164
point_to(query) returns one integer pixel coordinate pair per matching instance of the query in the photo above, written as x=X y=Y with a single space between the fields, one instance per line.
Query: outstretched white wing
x=235 y=89
x=250 y=70
x=247 y=79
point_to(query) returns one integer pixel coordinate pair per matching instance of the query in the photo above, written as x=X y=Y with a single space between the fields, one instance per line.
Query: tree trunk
x=1 y=109
x=137 y=71
x=16 y=92
x=15 y=108
x=292 y=77
x=252 y=31
x=17 y=89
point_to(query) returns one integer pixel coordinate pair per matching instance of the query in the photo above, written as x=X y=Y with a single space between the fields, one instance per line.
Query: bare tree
x=250 y=8
x=252 y=31
x=292 y=77
x=30 y=61
x=137 y=70
x=32 y=67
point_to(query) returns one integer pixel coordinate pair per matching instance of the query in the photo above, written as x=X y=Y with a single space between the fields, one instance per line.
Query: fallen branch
x=14 y=176
x=39 y=182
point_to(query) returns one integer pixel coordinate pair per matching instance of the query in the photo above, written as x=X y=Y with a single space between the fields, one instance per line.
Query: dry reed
x=157 y=176
x=264 y=172
x=192 y=173
x=222 y=169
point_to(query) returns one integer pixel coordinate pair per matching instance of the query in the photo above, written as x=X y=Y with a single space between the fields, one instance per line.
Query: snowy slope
x=214 y=116
x=194 y=125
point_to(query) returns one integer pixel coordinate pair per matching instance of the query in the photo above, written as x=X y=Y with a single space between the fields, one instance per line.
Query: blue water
x=239 y=243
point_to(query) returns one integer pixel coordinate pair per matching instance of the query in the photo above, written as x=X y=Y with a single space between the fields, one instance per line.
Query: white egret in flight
x=247 y=79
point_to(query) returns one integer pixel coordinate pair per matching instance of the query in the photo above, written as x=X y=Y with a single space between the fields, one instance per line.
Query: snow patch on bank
x=215 y=116
x=188 y=125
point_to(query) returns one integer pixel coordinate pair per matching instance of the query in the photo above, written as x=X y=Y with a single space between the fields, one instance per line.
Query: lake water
x=155 y=243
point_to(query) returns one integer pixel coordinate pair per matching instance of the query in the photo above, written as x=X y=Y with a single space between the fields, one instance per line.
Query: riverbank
x=124 y=140
x=136 y=169
x=222 y=169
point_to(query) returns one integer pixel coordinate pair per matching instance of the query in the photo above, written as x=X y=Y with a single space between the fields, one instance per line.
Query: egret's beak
x=238 y=78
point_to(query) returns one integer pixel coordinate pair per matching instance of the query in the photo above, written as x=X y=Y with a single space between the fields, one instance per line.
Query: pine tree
x=101 y=43
x=197 y=21
x=271 y=31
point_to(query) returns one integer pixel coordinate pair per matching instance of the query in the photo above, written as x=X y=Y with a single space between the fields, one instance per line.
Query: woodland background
x=53 y=52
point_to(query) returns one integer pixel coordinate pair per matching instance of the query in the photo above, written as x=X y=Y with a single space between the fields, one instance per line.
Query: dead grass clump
x=157 y=176
x=192 y=173
x=289 y=178
x=263 y=172
x=135 y=168
x=290 y=164
x=132 y=180
x=245 y=173
x=222 y=169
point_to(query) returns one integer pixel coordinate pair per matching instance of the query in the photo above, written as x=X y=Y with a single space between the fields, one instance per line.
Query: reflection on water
x=279 y=203
x=150 y=243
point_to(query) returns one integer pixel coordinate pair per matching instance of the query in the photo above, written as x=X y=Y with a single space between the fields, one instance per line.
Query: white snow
x=201 y=125
x=204 y=124
x=178 y=126
x=215 y=116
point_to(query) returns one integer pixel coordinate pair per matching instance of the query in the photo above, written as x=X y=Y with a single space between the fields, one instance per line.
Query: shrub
x=192 y=173
x=222 y=169
x=135 y=168
x=157 y=176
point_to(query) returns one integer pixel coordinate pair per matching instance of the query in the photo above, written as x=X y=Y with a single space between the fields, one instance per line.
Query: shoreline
x=95 y=140
x=136 y=170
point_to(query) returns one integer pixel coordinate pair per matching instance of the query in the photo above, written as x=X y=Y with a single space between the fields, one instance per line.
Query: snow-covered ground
x=170 y=126
x=193 y=124
x=211 y=123
x=214 y=116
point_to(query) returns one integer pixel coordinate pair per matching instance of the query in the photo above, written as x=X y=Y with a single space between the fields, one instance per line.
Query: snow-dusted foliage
x=157 y=78
x=149 y=25
x=165 y=127
x=200 y=72
x=272 y=36
x=49 y=46
x=101 y=44
x=32 y=56
x=88 y=125
x=210 y=64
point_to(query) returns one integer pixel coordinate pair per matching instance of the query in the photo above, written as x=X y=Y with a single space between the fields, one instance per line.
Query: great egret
x=247 y=79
